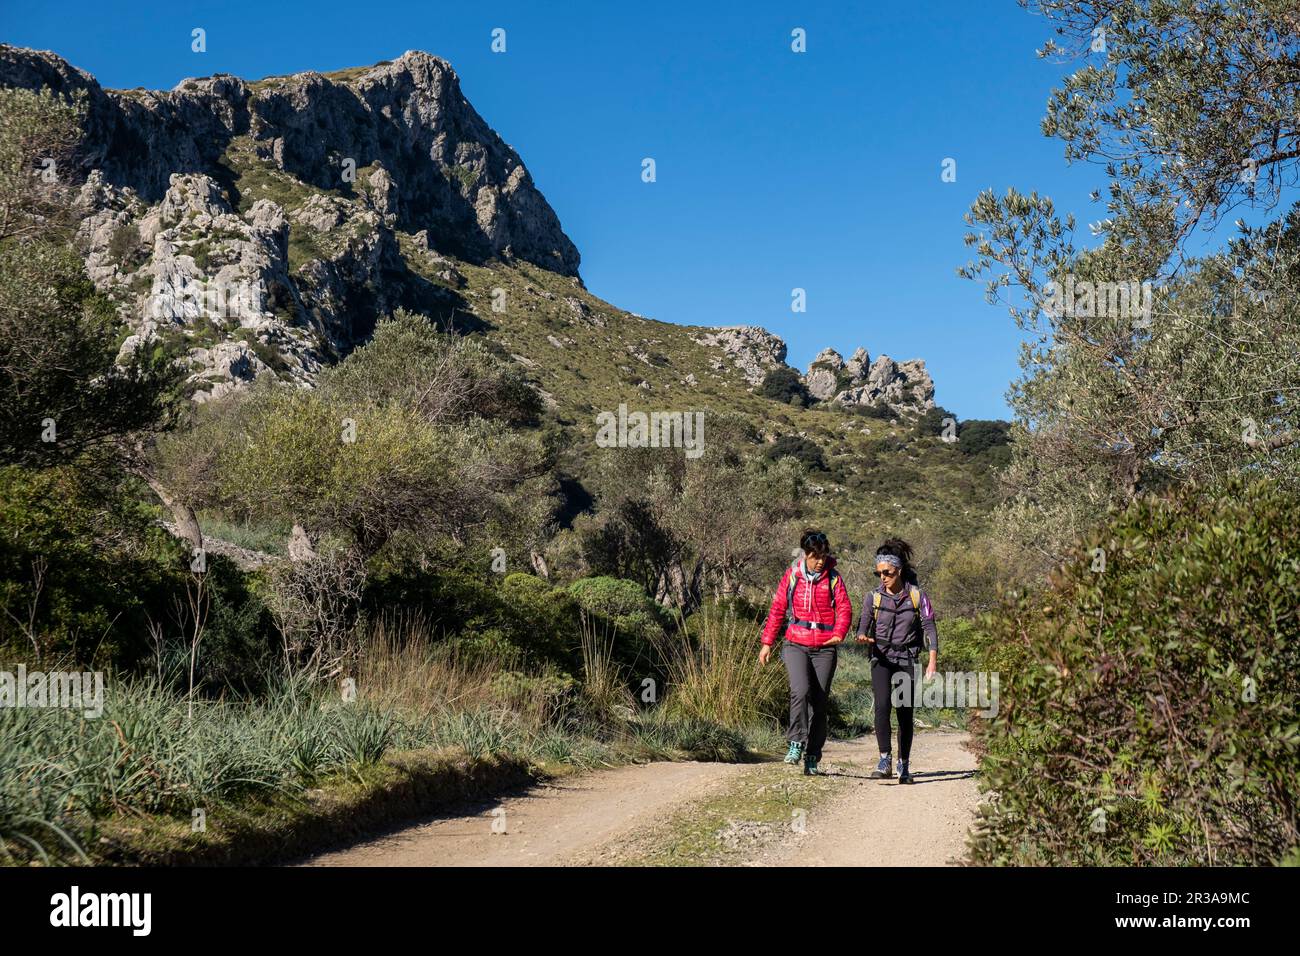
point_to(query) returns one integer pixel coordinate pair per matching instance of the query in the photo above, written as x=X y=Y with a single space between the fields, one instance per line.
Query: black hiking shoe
x=884 y=769
x=904 y=776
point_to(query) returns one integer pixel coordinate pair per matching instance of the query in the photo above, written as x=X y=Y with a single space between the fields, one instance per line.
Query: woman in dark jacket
x=897 y=621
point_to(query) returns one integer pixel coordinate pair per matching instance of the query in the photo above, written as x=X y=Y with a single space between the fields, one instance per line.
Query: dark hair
x=815 y=543
x=903 y=551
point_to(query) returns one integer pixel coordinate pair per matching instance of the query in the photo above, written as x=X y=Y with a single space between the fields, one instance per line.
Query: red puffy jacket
x=811 y=603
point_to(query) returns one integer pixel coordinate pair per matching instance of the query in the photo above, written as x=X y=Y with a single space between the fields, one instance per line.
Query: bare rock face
x=823 y=374
x=858 y=364
x=228 y=366
x=267 y=213
x=753 y=350
x=199 y=269
x=902 y=386
x=440 y=166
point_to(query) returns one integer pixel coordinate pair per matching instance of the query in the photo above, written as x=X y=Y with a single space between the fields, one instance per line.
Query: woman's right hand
x=764 y=653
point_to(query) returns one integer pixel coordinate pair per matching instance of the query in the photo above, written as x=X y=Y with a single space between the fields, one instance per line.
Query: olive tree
x=1142 y=364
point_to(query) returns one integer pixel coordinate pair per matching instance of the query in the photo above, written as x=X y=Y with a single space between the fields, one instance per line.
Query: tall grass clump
x=714 y=674
x=153 y=750
x=606 y=697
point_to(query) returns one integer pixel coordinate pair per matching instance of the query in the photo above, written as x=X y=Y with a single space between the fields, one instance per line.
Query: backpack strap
x=792 y=580
x=913 y=592
x=832 y=576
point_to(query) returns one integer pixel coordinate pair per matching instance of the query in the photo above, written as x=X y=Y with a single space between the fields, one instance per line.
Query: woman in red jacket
x=813 y=598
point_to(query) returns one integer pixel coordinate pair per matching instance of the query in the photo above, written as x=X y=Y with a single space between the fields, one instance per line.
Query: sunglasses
x=885 y=574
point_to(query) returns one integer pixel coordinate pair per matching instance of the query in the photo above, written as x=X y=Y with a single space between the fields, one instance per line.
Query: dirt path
x=692 y=813
x=878 y=822
x=548 y=823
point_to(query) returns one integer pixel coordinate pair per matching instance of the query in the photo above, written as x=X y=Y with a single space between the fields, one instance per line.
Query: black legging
x=882 y=675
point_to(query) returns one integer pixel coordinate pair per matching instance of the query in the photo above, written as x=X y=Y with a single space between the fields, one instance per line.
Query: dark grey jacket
x=899 y=630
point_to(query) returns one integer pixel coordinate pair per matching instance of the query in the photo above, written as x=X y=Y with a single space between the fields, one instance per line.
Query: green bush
x=933 y=421
x=783 y=384
x=240 y=644
x=81 y=566
x=805 y=450
x=963 y=645
x=1149 y=713
x=880 y=412
x=622 y=612
x=515 y=621
x=976 y=436
x=611 y=597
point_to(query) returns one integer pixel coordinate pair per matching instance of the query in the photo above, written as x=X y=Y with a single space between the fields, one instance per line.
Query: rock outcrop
x=268 y=214
x=902 y=386
x=823 y=374
x=754 y=351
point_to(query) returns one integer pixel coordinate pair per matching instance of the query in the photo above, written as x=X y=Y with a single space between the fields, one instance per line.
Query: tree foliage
x=410 y=437
x=683 y=527
x=1194 y=376
x=63 y=395
x=783 y=384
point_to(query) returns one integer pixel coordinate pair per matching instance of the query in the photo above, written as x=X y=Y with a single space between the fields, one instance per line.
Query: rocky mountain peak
x=267 y=224
x=453 y=175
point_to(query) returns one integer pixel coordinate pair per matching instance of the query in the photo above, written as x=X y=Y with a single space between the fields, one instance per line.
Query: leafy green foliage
x=1196 y=383
x=976 y=436
x=404 y=439
x=623 y=603
x=1156 y=695
x=932 y=421
x=82 y=572
x=62 y=394
x=804 y=450
x=678 y=525
x=783 y=384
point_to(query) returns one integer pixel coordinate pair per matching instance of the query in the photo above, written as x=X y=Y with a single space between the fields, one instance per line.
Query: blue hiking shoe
x=810 y=766
x=904 y=776
x=795 y=753
x=884 y=769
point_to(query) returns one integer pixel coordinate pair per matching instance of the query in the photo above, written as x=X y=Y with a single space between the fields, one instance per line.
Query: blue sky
x=775 y=170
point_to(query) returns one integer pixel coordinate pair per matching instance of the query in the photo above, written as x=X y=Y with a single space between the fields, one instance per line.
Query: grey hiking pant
x=811 y=670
